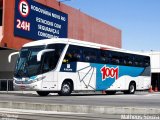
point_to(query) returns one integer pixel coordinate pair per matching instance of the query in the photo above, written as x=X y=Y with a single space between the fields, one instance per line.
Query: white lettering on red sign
x=109 y=72
x=24 y=8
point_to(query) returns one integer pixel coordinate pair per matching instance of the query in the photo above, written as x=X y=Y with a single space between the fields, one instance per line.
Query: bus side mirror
x=39 y=55
x=10 y=56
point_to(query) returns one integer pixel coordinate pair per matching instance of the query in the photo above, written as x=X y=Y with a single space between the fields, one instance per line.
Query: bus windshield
x=27 y=64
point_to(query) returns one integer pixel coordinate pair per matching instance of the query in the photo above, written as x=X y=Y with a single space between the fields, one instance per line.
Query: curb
x=78 y=108
x=18 y=92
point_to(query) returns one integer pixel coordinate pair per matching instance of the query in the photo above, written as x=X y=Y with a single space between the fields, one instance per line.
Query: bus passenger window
x=115 y=58
x=136 y=63
x=146 y=61
x=72 y=55
x=76 y=56
x=89 y=55
x=104 y=57
x=130 y=59
x=140 y=61
x=67 y=57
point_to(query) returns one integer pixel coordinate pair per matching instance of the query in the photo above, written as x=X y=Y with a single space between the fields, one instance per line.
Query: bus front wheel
x=66 y=89
x=43 y=93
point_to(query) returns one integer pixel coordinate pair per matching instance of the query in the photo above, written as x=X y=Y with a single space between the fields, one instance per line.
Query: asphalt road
x=15 y=114
x=140 y=99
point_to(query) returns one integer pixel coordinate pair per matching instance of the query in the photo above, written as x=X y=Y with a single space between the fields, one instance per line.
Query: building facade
x=22 y=21
x=80 y=26
x=155 y=69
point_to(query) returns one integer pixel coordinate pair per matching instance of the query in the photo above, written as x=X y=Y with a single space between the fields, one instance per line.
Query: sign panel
x=36 y=21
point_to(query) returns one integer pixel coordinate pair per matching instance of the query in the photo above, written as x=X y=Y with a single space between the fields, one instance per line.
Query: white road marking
x=23 y=111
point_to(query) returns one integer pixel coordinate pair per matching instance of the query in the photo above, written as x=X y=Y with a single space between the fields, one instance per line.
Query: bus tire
x=66 y=89
x=131 y=89
x=43 y=93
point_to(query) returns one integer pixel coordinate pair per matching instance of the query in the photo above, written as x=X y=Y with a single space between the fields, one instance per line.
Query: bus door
x=48 y=64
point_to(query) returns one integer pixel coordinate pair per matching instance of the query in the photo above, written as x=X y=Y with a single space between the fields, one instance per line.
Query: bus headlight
x=37 y=79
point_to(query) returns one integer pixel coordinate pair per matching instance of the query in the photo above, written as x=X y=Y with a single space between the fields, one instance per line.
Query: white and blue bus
x=67 y=65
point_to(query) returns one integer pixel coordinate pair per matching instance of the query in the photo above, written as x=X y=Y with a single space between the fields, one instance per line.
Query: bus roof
x=79 y=43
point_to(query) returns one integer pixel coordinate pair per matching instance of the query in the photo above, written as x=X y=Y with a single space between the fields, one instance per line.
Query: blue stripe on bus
x=109 y=80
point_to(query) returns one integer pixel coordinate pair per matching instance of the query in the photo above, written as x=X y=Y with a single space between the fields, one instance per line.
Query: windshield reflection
x=27 y=64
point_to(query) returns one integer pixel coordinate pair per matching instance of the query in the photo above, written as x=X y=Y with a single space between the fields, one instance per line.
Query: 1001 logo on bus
x=109 y=72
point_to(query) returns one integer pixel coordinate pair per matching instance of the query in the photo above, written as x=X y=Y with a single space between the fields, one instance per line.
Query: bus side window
x=121 y=60
x=73 y=54
x=104 y=57
x=137 y=61
x=90 y=55
x=130 y=60
x=115 y=58
x=146 y=61
x=76 y=55
x=140 y=61
x=86 y=56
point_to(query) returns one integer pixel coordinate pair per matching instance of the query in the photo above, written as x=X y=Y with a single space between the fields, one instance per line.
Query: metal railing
x=6 y=85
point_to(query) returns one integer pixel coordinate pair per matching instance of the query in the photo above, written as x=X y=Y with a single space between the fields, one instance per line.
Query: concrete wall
x=155 y=62
x=155 y=69
x=6 y=69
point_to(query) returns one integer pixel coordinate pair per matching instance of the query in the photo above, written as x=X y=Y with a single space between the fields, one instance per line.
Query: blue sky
x=139 y=20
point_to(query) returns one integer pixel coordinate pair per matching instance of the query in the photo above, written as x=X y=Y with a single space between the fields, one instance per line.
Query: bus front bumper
x=27 y=87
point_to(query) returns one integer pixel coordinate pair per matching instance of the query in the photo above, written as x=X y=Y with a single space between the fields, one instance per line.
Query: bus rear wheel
x=131 y=89
x=43 y=93
x=66 y=89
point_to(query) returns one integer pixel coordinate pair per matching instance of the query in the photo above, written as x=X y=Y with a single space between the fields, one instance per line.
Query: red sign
x=24 y=8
